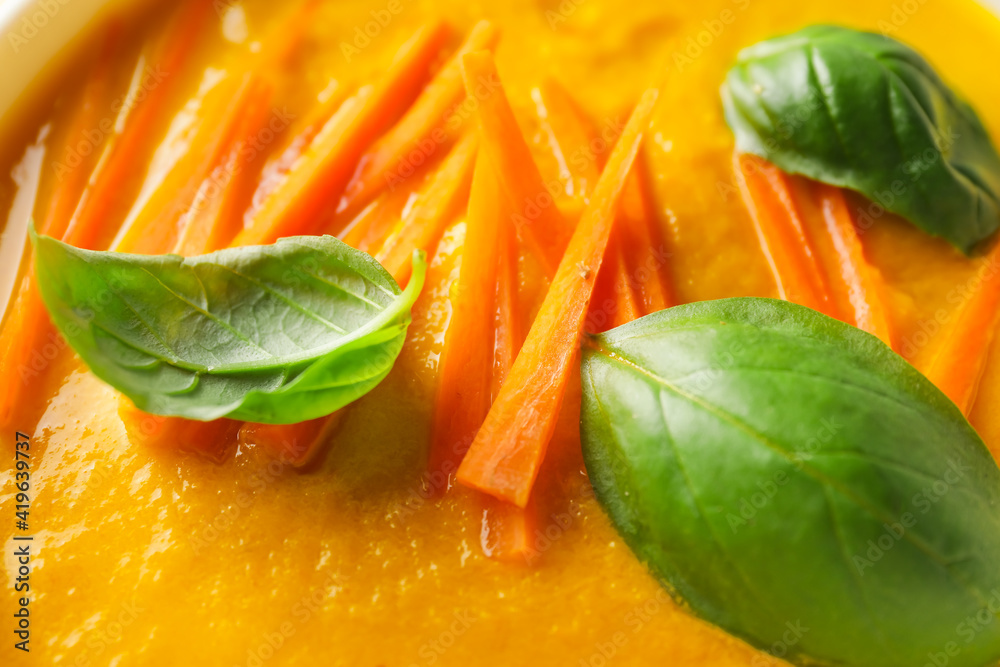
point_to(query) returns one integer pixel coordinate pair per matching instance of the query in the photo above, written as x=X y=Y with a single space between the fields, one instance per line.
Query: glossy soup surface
x=150 y=557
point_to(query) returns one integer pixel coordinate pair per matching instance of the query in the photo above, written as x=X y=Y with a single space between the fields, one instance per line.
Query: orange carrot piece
x=313 y=186
x=957 y=362
x=984 y=415
x=214 y=216
x=124 y=151
x=154 y=226
x=614 y=302
x=850 y=274
x=425 y=128
x=570 y=135
x=466 y=362
x=539 y=224
x=432 y=211
x=507 y=531
x=370 y=229
x=277 y=168
x=647 y=255
x=213 y=440
x=297 y=444
x=505 y=457
x=782 y=238
x=27 y=327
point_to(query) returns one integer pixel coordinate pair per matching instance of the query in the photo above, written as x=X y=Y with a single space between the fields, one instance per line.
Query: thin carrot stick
x=213 y=440
x=27 y=327
x=425 y=128
x=370 y=229
x=796 y=272
x=153 y=225
x=466 y=362
x=297 y=444
x=506 y=531
x=852 y=280
x=313 y=186
x=984 y=415
x=647 y=256
x=277 y=168
x=124 y=151
x=957 y=363
x=432 y=211
x=214 y=216
x=539 y=223
x=614 y=302
x=505 y=457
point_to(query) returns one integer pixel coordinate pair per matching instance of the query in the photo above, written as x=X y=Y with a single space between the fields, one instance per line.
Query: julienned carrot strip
x=466 y=362
x=425 y=129
x=570 y=135
x=154 y=84
x=27 y=327
x=505 y=457
x=370 y=228
x=614 y=302
x=509 y=321
x=432 y=210
x=213 y=440
x=277 y=168
x=298 y=444
x=984 y=415
x=647 y=255
x=779 y=229
x=153 y=225
x=538 y=221
x=214 y=217
x=957 y=362
x=849 y=273
x=507 y=531
x=314 y=185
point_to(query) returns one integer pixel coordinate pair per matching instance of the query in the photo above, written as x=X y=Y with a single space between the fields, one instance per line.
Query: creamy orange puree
x=149 y=557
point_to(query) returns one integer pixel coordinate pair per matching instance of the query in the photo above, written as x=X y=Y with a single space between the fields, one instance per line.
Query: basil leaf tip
x=778 y=470
x=865 y=112
x=274 y=334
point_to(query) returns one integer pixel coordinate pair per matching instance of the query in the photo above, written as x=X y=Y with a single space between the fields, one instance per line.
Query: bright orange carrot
x=27 y=327
x=425 y=129
x=507 y=531
x=432 y=211
x=214 y=217
x=984 y=415
x=539 y=224
x=466 y=362
x=277 y=167
x=796 y=271
x=213 y=440
x=312 y=188
x=370 y=228
x=615 y=301
x=125 y=150
x=647 y=255
x=853 y=282
x=505 y=457
x=957 y=362
x=153 y=224
x=297 y=444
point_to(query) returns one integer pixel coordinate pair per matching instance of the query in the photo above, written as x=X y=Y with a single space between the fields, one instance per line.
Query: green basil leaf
x=275 y=334
x=797 y=483
x=865 y=112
